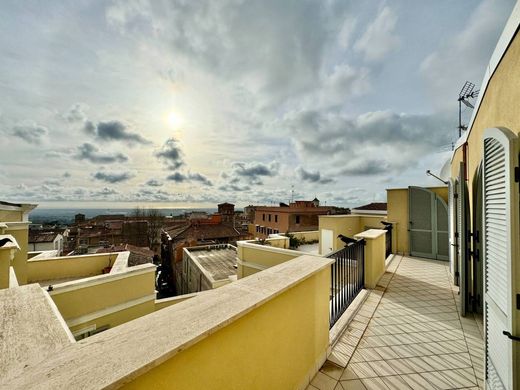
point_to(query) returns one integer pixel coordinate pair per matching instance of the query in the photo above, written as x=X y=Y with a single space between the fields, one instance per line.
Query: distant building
x=41 y=240
x=206 y=231
x=137 y=256
x=301 y=215
x=79 y=218
x=135 y=233
x=207 y=267
x=227 y=212
x=371 y=208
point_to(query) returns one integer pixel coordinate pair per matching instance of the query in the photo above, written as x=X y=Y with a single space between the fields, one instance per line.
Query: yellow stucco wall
x=348 y=225
x=89 y=299
x=498 y=108
x=398 y=212
x=278 y=345
x=313 y=235
x=264 y=256
x=5 y=262
x=119 y=317
x=167 y=302
x=69 y=266
x=397 y=201
x=11 y=216
x=375 y=249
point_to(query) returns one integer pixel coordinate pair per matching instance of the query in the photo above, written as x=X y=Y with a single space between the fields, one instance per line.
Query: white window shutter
x=499 y=159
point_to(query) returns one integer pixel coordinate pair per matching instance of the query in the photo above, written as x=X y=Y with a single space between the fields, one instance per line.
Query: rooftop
x=218 y=260
x=36 y=236
x=376 y=206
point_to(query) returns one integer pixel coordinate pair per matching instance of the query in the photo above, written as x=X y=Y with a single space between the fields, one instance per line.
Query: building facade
x=297 y=216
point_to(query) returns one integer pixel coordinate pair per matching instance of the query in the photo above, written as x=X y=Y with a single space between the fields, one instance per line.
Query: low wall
x=313 y=235
x=347 y=225
x=88 y=301
x=253 y=258
x=167 y=302
x=279 y=318
x=68 y=266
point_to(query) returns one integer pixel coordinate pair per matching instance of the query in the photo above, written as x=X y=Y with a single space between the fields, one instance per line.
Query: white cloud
x=380 y=37
x=464 y=56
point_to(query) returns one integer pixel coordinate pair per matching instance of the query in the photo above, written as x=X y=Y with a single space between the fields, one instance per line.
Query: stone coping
x=100 y=279
x=32 y=331
x=121 y=262
x=71 y=258
x=268 y=248
x=118 y=355
x=371 y=234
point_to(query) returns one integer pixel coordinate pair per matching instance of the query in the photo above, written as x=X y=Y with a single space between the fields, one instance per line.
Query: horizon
x=187 y=105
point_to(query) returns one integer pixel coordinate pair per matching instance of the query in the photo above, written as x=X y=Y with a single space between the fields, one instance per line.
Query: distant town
x=159 y=236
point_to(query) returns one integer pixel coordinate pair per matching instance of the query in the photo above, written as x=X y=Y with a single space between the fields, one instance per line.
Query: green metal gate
x=428 y=225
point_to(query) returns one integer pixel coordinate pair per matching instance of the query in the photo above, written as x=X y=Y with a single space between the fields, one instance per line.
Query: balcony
x=408 y=334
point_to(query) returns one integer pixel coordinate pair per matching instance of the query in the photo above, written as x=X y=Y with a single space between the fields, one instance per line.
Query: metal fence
x=388 y=240
x=347 y=278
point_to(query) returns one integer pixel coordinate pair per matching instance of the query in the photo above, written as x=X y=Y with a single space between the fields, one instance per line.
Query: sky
x=192 y=103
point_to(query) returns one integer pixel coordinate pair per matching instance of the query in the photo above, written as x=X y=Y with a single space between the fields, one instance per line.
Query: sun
x=175 y=120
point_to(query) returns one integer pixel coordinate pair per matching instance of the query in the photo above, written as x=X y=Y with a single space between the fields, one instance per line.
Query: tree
x=155 y=223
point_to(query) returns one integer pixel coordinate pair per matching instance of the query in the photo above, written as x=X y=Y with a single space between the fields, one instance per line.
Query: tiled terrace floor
x=408 y=335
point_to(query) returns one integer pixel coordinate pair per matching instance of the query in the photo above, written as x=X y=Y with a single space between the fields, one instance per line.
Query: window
x=276 y=218
x=263 y=217
x=297 y=219
x=269 y=217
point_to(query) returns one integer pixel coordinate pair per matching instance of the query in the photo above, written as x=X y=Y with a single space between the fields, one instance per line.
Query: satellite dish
x=445 y=172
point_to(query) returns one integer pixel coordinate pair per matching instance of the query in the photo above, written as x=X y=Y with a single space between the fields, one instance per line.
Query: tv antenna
x=467 y=92
x=292 y=193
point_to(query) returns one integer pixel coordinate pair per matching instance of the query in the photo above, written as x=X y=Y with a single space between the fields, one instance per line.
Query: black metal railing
x=388 y=239
x=347 y=277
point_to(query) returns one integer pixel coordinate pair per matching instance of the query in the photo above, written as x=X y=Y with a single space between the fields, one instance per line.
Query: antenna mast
x=465 y=93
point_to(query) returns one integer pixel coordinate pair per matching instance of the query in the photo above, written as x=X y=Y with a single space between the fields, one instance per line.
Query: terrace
x=408 y=334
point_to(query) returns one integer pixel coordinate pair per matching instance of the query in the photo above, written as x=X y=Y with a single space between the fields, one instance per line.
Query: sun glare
x=175 y=120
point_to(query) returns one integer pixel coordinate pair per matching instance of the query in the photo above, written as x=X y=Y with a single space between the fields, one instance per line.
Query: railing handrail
x=331 y=254
x=347 y=277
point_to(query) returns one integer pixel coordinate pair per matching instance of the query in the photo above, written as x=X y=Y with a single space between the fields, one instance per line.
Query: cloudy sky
x=191 y=103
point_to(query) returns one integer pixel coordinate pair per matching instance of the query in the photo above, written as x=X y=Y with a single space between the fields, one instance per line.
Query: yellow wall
x=398 y=212
x=69 y=266
x=313 y=235
x=91 y=298
x=262 y=255
x=166 y=302
x=348 y=225
x=375 y=257
x=498 y=108
x=397 y=201
x=278 y=345
x=11 y=216
x=5 y=262
x=119 y=317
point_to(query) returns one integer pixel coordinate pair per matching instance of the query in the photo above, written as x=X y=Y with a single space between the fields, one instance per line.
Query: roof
x=376 y=206
x=204 y=231
x=226 y=204
x=36 y=236
x=138 y=255
x=218 y=260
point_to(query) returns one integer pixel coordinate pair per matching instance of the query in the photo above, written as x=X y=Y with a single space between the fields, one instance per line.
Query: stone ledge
x=120 y=354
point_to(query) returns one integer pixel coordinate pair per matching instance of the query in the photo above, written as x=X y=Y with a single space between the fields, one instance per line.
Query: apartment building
x=300 y=215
